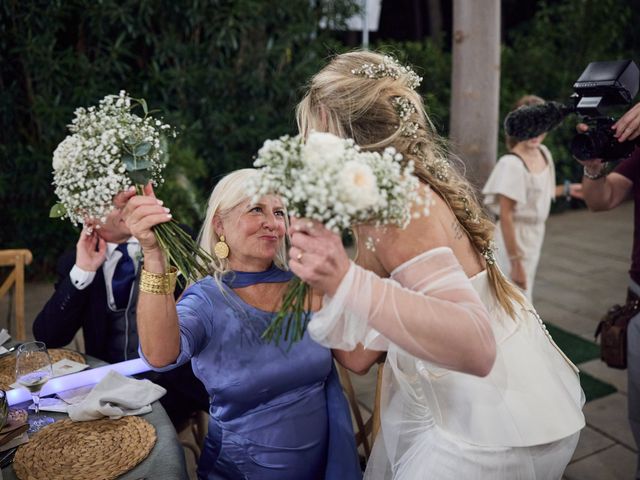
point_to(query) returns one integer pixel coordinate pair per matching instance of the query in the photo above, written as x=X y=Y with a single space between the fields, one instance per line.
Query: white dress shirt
x=81 y=279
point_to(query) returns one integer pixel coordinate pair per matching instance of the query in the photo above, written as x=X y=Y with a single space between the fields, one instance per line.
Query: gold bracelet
x=158 y=283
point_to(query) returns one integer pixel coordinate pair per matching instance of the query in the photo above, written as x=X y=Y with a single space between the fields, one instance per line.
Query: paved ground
x=582 y=272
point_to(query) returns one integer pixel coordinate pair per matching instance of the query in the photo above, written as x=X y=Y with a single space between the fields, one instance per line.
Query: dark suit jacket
x=68 y=309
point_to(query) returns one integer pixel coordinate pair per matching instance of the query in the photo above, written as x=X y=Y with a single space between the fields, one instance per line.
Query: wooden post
x=475 y=85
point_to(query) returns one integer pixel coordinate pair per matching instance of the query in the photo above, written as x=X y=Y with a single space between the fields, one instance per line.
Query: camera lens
x=585 y=146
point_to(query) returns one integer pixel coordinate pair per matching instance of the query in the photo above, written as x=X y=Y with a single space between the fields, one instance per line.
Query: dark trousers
x=633 y=375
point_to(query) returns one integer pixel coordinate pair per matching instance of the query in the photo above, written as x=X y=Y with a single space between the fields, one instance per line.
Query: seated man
x=97 y=289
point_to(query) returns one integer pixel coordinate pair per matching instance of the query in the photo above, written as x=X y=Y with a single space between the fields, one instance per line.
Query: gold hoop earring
x=221 y=248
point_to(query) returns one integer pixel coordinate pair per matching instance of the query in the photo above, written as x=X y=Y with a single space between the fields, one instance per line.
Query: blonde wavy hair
x=356 y=106
x=230 y=192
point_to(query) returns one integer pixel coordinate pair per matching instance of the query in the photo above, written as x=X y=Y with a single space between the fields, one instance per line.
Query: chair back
x=16 y=259
x=366 y=431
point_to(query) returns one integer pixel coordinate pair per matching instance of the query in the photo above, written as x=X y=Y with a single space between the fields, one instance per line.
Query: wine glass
x=33 y=370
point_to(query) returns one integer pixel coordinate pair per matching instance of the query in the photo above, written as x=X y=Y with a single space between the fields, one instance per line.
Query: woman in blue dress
x=275 y=412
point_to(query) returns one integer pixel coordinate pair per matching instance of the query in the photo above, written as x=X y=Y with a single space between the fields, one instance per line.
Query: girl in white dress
x=474 y=387
x=519 y=191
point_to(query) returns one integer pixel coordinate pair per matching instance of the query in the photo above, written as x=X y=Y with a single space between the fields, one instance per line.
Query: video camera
x=602 y=85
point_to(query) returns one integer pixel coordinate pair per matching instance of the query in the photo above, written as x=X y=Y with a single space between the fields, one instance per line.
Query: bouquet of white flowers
x=109 y=149
x=329 y=179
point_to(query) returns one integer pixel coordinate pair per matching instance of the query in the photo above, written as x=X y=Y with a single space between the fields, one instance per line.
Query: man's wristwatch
x=594 y=176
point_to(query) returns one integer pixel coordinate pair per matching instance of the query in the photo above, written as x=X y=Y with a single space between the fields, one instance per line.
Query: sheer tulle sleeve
x=428 y=308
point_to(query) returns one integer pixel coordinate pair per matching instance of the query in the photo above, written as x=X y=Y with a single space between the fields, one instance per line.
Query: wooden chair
x=366 y=431
x=196 y=429
x=16 y=258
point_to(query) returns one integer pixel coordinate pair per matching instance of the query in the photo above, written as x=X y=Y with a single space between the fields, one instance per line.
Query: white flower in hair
x=390 y=67
x=359 y=187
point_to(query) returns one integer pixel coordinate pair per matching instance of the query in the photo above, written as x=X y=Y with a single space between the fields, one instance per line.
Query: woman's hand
x=317 y=255
x=141 y=213
x=518 y=274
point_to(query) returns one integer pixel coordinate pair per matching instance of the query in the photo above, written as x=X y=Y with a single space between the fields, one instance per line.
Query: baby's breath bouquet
x=111 y=148
x=329 y=179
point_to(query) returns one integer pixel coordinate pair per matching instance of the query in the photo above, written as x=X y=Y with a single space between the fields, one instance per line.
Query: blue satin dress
x=276 y=412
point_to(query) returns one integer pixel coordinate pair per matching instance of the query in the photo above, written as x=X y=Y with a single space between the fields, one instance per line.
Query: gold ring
x=299 y=257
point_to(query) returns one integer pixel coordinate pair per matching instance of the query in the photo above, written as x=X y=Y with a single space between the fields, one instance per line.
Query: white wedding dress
x=520 y=422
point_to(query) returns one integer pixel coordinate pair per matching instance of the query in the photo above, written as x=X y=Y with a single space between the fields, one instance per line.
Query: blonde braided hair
x=361 y=107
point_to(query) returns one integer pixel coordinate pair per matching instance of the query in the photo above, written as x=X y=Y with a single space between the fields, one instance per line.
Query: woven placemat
x=8 y=364
x=97 y=450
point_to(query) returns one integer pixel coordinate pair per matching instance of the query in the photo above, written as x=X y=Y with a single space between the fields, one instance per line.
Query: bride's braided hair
x=371 y=98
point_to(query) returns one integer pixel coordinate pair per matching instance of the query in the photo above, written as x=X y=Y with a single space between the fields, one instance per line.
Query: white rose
x=359 y=187
x=322 y=147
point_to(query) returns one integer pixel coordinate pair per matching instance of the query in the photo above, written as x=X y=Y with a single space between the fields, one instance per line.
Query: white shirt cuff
x=80 y=278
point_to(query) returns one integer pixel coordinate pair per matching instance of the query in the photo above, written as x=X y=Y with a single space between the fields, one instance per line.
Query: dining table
x=166 y=459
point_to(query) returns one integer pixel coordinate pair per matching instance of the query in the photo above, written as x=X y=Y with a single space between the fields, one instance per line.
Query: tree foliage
x=226 y=73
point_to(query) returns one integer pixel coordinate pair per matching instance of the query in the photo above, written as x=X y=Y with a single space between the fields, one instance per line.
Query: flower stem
x=180 y=250
x=293 y=315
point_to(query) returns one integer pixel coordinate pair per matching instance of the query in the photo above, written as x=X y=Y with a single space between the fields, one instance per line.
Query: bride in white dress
x=474 y=386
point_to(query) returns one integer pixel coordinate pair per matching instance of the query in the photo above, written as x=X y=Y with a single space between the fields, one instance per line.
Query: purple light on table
x=79 y=379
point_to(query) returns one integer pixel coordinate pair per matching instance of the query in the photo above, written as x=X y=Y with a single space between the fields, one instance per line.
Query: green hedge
x=225 y=73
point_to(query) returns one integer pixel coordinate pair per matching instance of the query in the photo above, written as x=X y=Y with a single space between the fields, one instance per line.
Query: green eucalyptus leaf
x=129 y=163
x=143 y=103
x=130 y=140
x=57 y=211
x=140 y=177
x=142 y=164
x=142 y=149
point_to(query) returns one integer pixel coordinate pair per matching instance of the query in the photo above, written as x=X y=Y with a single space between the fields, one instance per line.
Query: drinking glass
x=33 y=370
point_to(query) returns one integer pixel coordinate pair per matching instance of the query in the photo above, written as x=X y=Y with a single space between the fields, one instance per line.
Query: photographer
x=602 y=192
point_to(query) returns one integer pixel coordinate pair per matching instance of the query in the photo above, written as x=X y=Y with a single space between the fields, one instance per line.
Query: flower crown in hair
x=389 y=67
x=405 y=108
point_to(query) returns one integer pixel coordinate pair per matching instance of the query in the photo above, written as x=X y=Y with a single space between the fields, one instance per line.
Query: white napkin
x=4 y=336
x=116 y=396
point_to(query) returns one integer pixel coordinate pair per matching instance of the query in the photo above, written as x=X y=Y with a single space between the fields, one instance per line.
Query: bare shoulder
x=394 y=246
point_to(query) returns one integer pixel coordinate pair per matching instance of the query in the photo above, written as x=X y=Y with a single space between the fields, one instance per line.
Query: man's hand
x=593 y=166
x=575 y=191
x=91 y=250
x=628 y=126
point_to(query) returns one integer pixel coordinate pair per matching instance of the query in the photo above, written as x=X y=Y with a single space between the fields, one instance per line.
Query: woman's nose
x=269 y=222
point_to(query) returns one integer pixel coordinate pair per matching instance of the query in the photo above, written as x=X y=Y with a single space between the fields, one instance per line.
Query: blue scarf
x=238 y=279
